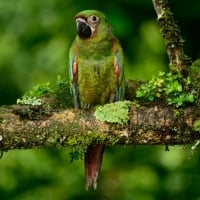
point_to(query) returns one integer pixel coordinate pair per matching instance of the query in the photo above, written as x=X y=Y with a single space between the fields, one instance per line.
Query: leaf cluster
x=33 y=96
x=58 y=92
x=43 y=99
x=166 y=86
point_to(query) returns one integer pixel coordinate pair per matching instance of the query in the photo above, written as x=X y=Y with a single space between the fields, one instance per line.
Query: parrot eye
x=93 y=19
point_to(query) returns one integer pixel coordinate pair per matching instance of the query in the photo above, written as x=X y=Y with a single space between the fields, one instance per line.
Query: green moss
x=114 y=112
x=172 y=67
x=177 y=113
x=62 y=93
x=196 y=125
x=194 y=72
x=79 y=143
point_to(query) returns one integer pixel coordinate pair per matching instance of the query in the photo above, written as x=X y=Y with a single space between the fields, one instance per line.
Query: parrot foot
x=87 y=106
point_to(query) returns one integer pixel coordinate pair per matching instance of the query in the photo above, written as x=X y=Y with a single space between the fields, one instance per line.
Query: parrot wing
x=73 y=74
x=118 y=69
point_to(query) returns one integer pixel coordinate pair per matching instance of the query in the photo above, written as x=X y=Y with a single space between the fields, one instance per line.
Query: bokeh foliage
x=34 y=40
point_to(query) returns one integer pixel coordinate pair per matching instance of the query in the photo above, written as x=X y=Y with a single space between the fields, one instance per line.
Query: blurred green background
x=35 y=37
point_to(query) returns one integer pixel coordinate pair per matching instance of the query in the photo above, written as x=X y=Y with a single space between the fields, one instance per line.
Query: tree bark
x=147 y=125
x=172 y=37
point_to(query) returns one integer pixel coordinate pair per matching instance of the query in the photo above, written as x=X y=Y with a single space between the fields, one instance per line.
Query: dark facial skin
x=83 y=30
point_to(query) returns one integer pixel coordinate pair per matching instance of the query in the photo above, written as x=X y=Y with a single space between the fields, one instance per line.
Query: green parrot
x=96 y=75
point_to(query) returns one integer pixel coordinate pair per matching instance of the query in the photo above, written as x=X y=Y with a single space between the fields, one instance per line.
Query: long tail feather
x=93 y=161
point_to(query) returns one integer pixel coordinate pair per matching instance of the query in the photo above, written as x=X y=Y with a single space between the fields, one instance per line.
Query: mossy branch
x=171 y=34
x=141 y=124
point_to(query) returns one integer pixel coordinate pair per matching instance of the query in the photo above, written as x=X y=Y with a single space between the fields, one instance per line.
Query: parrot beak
x=83 y=29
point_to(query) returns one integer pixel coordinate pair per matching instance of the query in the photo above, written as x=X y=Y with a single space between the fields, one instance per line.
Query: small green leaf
x=196 y=125
x=74 y=155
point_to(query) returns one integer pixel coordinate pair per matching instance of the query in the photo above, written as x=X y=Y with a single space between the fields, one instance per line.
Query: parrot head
x=89 y=23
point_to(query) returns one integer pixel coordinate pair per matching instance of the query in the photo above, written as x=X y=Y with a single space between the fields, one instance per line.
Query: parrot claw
x=87 y=106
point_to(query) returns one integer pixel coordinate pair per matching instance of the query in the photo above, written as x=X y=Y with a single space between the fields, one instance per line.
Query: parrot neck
x=94 y=47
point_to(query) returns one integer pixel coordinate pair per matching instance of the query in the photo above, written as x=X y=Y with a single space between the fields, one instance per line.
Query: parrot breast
x=96 y=81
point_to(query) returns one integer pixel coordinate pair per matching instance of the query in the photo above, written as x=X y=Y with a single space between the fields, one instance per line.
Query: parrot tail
x=93 y=161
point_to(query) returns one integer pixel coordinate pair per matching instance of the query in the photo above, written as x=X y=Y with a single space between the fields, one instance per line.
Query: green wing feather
x=73 y=74
x=119 y=70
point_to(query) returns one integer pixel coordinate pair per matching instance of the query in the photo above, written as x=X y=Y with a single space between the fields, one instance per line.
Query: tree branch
x=147 y=125
x=172 y=37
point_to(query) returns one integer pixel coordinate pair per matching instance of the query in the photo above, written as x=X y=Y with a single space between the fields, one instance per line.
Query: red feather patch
x=75 y=69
